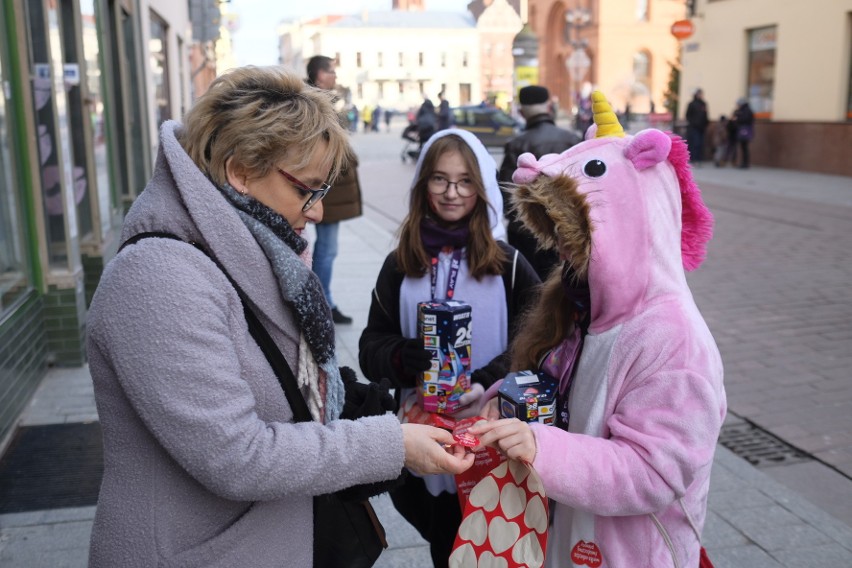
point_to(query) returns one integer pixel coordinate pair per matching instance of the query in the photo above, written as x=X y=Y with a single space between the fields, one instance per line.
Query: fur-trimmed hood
x=627 y=213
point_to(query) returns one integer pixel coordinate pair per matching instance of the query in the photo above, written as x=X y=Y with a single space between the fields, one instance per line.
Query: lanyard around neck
x=455 y=264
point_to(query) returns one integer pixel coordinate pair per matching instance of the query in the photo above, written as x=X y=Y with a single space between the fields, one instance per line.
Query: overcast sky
x=255 y=42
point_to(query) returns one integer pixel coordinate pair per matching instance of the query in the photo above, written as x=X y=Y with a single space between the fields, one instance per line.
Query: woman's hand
x=490 y=410
x=511 y=436
x=425 y=450
x=469 y=402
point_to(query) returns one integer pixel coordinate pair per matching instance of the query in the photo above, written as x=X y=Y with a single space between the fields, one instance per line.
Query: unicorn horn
x=604 y=117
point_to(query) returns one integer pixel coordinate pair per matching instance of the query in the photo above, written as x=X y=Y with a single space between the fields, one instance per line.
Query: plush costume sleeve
x=382 y=338
x=176 y=340
x=660 y=434
x=521 y=284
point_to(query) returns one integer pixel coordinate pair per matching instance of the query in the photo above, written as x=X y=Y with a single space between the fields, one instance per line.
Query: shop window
x=14 y=269
x=93 y=108
x=761 y=70
x=158 y=50
x=51 y=123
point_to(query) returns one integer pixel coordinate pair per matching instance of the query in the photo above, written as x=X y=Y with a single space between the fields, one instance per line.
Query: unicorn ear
x=648 y=148
x=591 y=132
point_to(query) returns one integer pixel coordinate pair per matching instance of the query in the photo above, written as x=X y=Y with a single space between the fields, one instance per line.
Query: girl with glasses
x=204 y=463
x=455 y=212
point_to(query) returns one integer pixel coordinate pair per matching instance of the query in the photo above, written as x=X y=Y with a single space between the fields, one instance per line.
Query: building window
x=380 y=59
x=401 y=88
x=401 y=59
x=360 y=90
x=464 y=59
x=761 y=70
x=443 y=59
x=642 y=67
x=158 y=48
x=381 y=89
x=358 y=59
x=420 y=57
x=642 y=10
x=486 y=48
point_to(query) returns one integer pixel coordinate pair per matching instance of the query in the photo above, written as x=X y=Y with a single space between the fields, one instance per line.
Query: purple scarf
x=435 y=236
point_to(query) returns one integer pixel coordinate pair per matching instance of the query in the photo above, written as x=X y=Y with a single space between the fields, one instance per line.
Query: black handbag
x=347 y=534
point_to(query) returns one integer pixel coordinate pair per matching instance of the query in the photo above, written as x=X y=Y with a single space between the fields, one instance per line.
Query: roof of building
x=411 y=20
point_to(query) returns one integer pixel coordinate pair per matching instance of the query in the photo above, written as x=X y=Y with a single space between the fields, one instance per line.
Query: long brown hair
x=543 y=326
x=484 y=256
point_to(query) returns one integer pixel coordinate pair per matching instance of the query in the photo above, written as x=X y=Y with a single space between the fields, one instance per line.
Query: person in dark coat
x=427 y=121
x=697 y=120
x=444 y=118
x=744 y=117
x=541 y=136
x=341 y=204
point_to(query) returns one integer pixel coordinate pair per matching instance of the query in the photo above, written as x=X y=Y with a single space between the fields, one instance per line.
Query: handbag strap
x=267 y=345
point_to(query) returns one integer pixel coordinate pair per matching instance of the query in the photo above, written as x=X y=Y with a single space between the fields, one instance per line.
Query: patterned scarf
x=318 y=374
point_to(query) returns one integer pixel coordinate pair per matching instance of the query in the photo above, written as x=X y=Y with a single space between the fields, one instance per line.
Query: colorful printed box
x=528 y=396
x=445 y=329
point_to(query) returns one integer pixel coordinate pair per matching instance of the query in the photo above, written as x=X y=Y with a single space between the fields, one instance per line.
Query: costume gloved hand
x=362 y=400
x=415 y=359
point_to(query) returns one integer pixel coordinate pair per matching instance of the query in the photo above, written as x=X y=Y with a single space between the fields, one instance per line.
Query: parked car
x=491 y=125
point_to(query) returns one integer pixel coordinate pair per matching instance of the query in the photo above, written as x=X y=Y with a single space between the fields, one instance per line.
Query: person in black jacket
x=697 y=120
x=541 y=136
x=744 y=119
x=449 y=247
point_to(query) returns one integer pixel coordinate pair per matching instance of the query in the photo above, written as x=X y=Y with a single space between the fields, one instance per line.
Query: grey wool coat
x=203 y=465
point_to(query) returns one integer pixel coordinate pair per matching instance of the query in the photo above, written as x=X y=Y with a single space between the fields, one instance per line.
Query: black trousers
x=437 y=519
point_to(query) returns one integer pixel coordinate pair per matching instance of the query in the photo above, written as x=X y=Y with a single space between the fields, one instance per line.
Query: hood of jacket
x=487 y=170
x=181 y=199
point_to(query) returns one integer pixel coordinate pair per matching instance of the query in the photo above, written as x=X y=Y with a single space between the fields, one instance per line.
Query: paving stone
x=749 y=556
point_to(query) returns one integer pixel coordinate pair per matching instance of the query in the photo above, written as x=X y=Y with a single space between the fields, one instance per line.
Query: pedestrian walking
x=732 y=142
x=389 y=112
x=203 y=463
x=744 y=118
x=341 y=204
x=427 y=121
x=444 y=116
x=719 y=140
x=697 y=119
x=540 y=136
x=353 y=117
x=376 y=118
x=450 y=246
x=367 y=117
x=641 y=398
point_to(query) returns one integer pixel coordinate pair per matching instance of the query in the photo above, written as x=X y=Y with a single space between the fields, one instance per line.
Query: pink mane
x=697 y=221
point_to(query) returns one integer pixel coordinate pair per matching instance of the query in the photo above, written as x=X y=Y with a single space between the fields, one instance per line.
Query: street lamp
x=578 y=63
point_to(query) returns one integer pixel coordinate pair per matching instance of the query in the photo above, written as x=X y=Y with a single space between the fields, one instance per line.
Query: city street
x=775 y=293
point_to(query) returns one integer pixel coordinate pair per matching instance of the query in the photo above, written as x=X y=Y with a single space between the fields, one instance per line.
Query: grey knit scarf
x=300 y=288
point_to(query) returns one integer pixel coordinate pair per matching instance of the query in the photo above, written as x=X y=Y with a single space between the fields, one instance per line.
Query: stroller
x=411 y=148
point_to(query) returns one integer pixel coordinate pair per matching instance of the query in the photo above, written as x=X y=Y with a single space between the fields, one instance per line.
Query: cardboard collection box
x=445 y=328
x=528 y=396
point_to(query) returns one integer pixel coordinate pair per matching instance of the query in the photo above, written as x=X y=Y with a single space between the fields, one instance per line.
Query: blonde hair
x=260 y=116
x=484 y=256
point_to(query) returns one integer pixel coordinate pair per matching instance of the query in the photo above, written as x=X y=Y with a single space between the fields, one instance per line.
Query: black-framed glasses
x=439 y=185
x=316 y=194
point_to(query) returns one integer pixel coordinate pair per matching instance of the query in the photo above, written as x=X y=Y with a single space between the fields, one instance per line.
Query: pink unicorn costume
x=631 y=475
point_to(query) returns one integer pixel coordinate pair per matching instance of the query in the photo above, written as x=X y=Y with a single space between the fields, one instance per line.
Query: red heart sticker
x=586 y=553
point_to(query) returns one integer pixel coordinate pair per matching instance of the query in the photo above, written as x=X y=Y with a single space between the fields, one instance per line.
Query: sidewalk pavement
x=752 y=520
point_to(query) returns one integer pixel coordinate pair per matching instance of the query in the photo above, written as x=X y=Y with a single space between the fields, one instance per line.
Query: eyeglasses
x=316 y=194
x=439 y=185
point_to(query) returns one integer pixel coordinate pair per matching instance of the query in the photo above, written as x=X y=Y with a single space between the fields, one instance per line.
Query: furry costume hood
x=623 y=210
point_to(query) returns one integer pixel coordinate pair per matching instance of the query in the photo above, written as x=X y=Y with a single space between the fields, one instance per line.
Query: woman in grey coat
x=203 y=463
